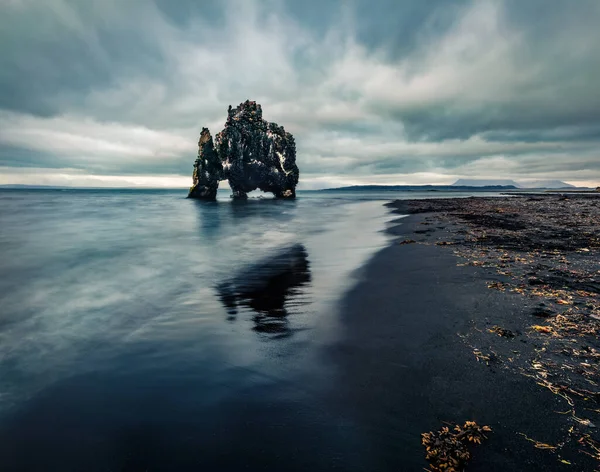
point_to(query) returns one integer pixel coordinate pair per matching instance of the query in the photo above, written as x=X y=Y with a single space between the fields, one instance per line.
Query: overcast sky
x=115 y=92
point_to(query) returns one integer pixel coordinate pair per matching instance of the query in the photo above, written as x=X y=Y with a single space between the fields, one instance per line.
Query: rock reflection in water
x=265 y=287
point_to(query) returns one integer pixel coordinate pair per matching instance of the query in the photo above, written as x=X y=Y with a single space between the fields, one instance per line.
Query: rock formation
x=207 y=169
x=250 y=153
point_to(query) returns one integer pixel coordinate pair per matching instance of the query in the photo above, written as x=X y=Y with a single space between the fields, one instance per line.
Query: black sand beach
x=420 y=346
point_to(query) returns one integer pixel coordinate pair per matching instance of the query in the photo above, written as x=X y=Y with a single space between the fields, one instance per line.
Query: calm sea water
x=140 y=330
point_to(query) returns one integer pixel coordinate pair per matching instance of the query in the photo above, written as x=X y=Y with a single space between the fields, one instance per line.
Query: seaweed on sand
x=545 y=249
x=448 y=449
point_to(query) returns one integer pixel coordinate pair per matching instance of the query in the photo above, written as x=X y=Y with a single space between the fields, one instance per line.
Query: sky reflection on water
x=141 y=328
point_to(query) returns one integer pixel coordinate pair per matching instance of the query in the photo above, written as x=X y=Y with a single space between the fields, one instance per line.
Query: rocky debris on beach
x=250 y=152
x=503 y=332
x=448 y=449
x=546 y=249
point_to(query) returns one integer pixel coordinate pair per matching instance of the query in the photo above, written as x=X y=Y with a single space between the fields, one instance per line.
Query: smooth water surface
x=140 y=330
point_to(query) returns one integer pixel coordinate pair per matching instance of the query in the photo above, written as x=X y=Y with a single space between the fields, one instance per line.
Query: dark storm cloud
x=372 y=90
x=519 y=122
x=54 y=53
x=533 y=70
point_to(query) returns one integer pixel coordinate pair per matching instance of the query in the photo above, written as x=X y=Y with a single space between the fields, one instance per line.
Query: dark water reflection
x=264 y=288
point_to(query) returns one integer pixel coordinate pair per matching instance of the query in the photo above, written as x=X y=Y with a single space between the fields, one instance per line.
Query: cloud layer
x=375 y=92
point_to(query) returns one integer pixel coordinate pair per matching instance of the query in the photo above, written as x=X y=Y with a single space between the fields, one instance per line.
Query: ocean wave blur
x=141 y=328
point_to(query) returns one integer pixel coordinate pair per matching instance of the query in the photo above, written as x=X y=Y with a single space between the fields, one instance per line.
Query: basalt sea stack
x=250 y=153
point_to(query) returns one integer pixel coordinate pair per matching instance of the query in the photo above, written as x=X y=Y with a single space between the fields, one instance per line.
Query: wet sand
x=407 y=358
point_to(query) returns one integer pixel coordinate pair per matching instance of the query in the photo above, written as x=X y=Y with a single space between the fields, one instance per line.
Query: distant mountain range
x=553 y=184
x=420 y=188
x=479 y=185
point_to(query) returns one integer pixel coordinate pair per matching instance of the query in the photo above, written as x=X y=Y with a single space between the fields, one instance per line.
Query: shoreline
x=406 y=359
x=383 y=351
